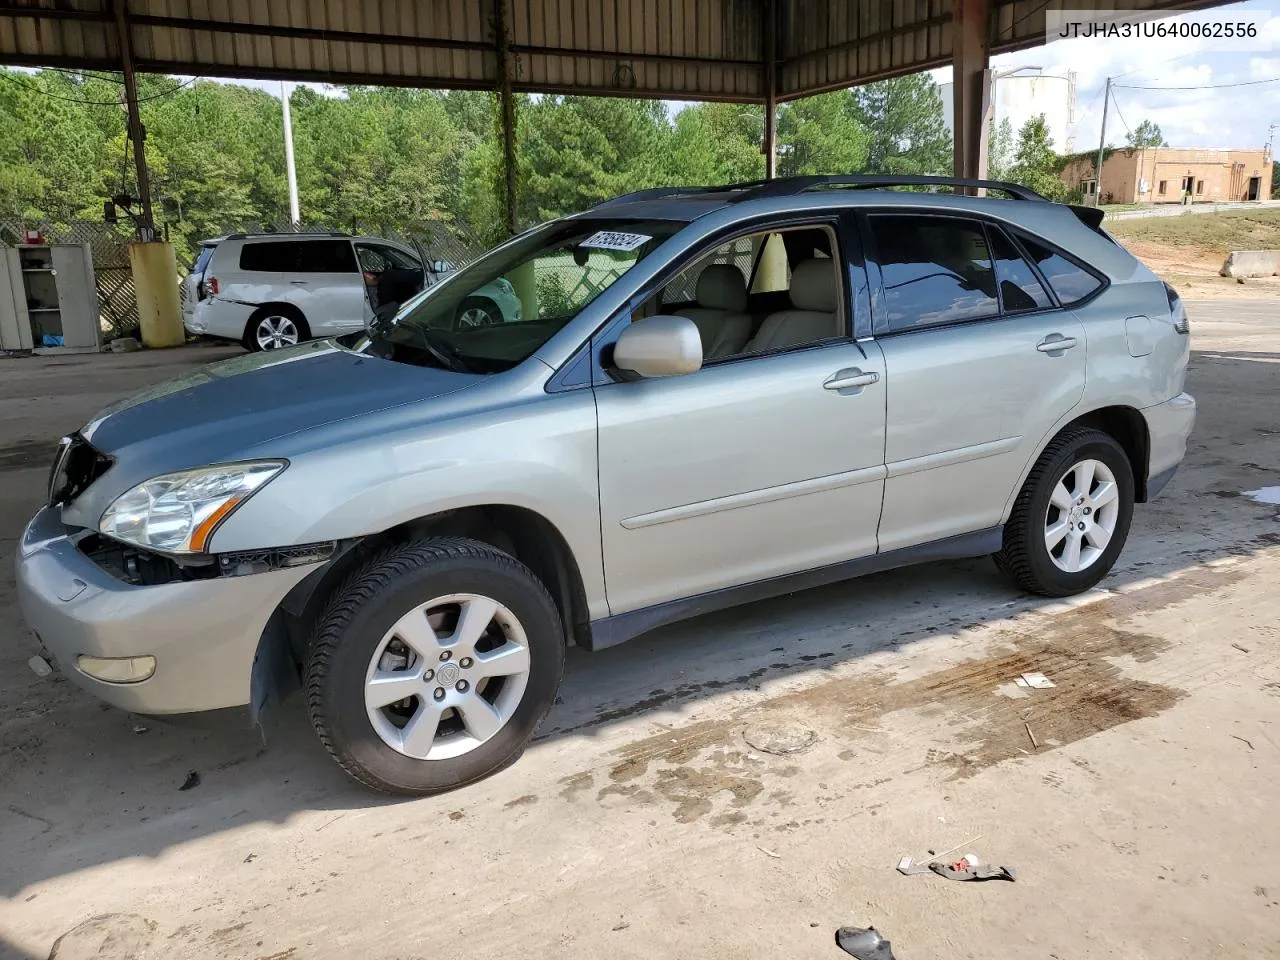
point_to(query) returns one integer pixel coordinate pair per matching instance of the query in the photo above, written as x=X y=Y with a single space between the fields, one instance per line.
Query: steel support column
x=770 y=90
x=970 y=52
x=507 y=107
x=137 y=135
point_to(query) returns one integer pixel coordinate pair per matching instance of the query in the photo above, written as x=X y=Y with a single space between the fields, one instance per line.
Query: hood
x=215 y=412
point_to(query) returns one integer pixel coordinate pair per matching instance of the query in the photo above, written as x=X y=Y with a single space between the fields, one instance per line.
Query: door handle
x=1055 y=343
x=846 y=379
x=298 y=283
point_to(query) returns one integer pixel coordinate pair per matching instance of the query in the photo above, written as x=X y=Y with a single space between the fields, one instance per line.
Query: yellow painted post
x=155 y=285
x=525 y=281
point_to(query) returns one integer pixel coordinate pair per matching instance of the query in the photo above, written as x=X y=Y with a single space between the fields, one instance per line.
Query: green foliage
x=1035 y=164
x=553 y=299
x=821 y=134
x=904 y=120
x=1000 y=147
x=380 y=160
x=1146 y=134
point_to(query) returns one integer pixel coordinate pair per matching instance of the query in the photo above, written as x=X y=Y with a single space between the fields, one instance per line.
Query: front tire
x=433 y=665
x=1072 y=516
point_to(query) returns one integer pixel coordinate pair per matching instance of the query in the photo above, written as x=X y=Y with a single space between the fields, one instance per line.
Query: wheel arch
x=1124 y=423
x=519 y=531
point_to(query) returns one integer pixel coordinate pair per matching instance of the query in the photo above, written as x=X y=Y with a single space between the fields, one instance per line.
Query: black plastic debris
x=966 y=870
x=863 y=944
x=192 y=781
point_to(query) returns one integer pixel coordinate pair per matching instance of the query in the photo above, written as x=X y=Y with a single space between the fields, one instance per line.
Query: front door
x=980 y=363
x=764 y=462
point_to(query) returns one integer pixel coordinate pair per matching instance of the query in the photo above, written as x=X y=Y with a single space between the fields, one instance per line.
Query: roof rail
x=663 y=193
x=790 y=186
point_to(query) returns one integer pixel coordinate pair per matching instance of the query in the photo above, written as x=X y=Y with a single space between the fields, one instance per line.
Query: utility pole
x=1102 y=142
x=137 y=135
x=291 y=172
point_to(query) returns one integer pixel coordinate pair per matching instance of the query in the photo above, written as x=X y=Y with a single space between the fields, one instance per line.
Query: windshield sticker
x=610 y=240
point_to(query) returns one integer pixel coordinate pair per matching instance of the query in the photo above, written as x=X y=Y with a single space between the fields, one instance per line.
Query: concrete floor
x=650 y=820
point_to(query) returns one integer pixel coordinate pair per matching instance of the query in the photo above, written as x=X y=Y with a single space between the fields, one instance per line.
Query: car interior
x=759 y=294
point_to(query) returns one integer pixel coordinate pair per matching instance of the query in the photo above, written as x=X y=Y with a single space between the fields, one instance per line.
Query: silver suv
x=714 y=395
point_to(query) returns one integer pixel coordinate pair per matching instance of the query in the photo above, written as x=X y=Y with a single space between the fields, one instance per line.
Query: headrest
x=813 y=286
x=721 y=287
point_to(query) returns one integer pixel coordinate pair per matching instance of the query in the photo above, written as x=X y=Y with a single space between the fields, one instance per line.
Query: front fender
x=371 y=474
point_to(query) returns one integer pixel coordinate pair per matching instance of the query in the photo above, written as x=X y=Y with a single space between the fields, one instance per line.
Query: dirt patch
x=1192 y=266
x=702 y=767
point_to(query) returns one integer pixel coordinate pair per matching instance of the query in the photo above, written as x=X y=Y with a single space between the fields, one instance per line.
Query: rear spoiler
x=1091 y=217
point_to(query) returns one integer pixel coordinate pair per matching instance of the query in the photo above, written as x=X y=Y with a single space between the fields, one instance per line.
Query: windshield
x=492 y=315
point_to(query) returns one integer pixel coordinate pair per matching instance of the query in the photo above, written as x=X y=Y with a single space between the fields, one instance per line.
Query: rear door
x=981 y=361
x=328 y=288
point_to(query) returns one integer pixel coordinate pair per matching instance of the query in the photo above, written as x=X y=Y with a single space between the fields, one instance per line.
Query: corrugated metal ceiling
x=677 y=49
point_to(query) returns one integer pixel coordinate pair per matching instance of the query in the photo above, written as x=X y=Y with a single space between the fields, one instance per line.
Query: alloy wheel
x=447 y=676
x=1082 y=514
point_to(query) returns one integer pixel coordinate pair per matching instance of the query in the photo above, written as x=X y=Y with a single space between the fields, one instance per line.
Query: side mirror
x=659 y=347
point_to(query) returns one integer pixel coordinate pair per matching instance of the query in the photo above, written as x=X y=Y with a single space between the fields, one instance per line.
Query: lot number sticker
x=609 y=240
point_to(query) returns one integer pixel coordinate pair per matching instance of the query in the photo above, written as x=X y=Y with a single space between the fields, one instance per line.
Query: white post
x=294 y=215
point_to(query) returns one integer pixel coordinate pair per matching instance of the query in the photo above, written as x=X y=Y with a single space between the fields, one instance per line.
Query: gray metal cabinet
x=48 y=297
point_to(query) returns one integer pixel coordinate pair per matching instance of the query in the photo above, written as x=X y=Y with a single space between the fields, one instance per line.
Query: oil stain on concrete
x=705 y=769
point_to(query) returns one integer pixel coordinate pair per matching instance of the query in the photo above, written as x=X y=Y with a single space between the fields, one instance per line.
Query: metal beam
x=970 y=60
x=146 y=222
x=770 y=90
x=507 y=107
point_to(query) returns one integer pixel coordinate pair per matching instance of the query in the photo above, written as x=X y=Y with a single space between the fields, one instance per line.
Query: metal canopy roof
x=676 y=49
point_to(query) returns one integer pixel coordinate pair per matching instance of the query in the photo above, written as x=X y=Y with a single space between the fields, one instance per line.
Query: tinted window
x=377 y=258
x=1019 y=288
x=935 y=270
x=202 y=261
x=1069 y=281
x=269 y=257
x=298 y=256
x=326 y=256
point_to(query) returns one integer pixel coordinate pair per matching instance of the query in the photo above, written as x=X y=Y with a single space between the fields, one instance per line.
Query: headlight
x=178 y=512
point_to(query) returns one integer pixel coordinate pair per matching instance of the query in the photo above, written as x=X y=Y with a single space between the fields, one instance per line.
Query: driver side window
x=764 y=292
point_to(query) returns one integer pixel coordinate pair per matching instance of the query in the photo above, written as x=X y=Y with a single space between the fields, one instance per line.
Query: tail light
x=1177 y=311
x=212 y=286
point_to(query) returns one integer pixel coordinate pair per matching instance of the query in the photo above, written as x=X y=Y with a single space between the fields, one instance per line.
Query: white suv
x=276 y=290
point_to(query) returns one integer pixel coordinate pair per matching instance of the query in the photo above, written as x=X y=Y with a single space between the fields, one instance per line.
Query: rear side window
x=935 y=270
x=202 y=261
x=298 y=256
x=1070 y=281
x=1020 y=289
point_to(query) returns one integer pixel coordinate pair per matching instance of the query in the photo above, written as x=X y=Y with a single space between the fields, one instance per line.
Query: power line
x=1116 y=102
x=95 y=103
x=1204 y=86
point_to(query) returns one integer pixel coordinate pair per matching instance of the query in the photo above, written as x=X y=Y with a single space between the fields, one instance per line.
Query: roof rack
x=286 y=233
x=664 y=193
x=790 y=186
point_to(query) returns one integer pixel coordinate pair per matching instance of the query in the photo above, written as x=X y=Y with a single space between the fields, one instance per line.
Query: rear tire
x=471 y=639
x=275 y=327
x=477 y=312
x=1072 y=516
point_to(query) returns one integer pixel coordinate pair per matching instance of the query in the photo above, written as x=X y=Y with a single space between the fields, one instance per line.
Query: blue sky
x=1203 y=117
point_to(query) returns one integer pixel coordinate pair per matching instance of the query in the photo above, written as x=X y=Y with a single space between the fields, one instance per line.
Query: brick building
x=1168 y=174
